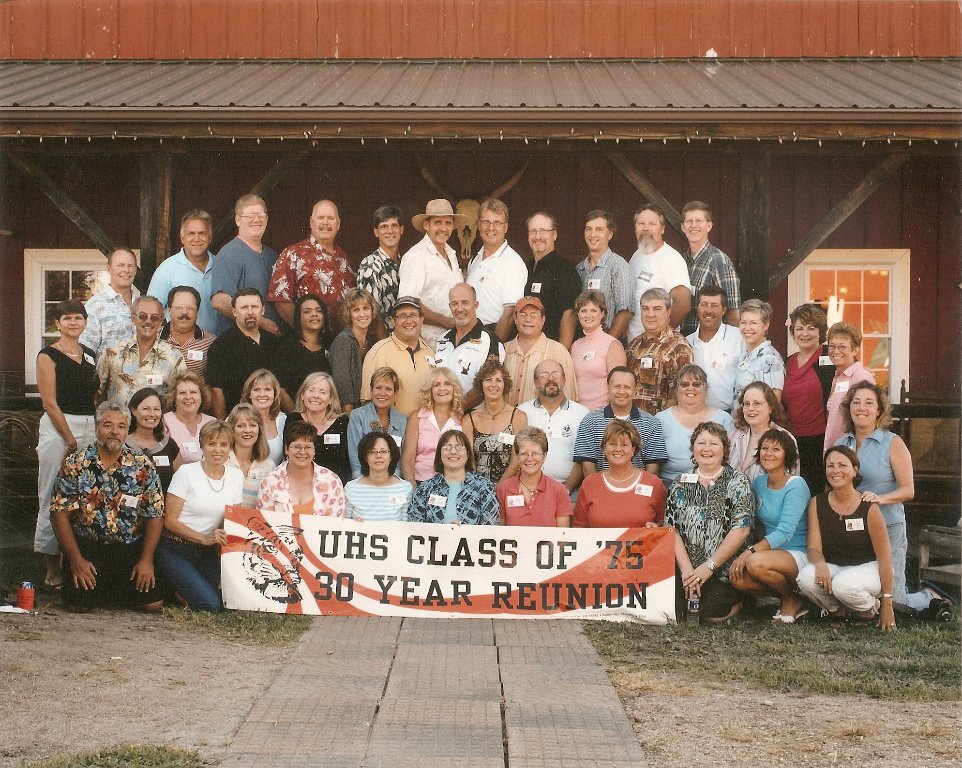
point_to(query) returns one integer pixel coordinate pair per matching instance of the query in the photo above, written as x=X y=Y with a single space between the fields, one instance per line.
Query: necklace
x=627 y=479
x=532 y=491
x=711 y=478
x=69 y=354
x=847 y=506
x=494 y=415
x=223 y=481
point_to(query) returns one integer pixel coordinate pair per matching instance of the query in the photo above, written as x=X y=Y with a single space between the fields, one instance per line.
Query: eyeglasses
x=144 y=317
x=407 y=315
x=540 y=232
x=183 y=308
x=490 y=223
x=300 y=448
x=697 y=384
x=545 y=375
x=254 y=216
x=454 y=448
x=379 y=452
x=531 y=455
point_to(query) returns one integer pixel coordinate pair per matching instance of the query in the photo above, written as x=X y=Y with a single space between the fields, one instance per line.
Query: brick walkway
x=433 y=693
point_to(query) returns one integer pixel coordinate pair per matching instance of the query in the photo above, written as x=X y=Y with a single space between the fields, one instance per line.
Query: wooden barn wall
x=918 y=209
x=306 y=29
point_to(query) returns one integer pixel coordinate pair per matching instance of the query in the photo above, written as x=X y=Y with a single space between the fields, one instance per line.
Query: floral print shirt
x=122 y=372
x=275 y=492
x=107 y=504
x=308 y=267
x=655 y=363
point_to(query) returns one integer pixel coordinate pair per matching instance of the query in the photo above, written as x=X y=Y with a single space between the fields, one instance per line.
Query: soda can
x=25 y=596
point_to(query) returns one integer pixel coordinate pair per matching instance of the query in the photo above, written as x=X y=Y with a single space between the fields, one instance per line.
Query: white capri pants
x=854 y=586
x=51 y=450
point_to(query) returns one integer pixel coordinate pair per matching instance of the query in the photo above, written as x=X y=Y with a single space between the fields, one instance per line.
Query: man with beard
x=560 y=418
x=193 y=265
x=182 y=331
x=107 y=510
x=657 y=265
x=239 y=352
x=716 y=347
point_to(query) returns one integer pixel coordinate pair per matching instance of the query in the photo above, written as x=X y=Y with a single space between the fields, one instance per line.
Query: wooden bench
x=945 y=544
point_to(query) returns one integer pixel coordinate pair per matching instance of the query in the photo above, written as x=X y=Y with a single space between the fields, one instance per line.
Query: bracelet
x=711 y=565
x=752 y=549
x=885 y=597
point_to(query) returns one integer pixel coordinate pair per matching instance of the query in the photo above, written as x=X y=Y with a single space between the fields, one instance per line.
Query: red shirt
x=601 y=506
x=802 y=397
x=550 y=502
x=307 y=267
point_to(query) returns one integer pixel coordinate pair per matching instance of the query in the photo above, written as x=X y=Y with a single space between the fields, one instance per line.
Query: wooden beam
x=155 y=202
x=646 y=188
x=754 y=227
x=834 y=218
x=277 y=174
x=63 y=202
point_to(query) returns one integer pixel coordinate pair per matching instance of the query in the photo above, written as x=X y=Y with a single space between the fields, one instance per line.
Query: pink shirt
x=589 y=355
x=550 y=501
x=275 y=493
x=429 y=432
x=834 y=424
x=189 y=444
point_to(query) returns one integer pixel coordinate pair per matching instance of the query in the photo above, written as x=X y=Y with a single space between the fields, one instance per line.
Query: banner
x=309 y=564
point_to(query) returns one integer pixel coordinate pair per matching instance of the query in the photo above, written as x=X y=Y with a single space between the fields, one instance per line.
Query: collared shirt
x=613 y=278
x=521 y=366
x=664 y=268
x=122 y=372
x=843 y=381
x=549 y=501
x=179 y=270
x=476 y=502
x=194 y=350
x=430 y=276
x=275 y=492
x=761 y=364
x=656 y=363
x=108 y=319
x=379 y=275
x=239 y=266
x=412 y=365
x=498 y=280
x=592 y=430
x=308 y=267
x=252 y=481
x=346 y=360
x=711 y=266
x=363 y=420
x=556 y=282
x=718 y=358
x=878 y=475
x=107 y=504
x=467 y=357
x=561 y=427
x=233 y=357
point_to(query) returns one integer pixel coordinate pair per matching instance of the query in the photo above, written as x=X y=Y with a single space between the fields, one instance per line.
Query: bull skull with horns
x=467 y=206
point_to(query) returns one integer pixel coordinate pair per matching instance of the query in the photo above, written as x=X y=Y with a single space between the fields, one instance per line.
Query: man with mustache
x=657 y=265
x=716 y=346
x=182 y=331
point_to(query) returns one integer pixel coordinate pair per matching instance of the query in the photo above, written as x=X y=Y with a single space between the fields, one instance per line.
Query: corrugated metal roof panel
x=796 y=84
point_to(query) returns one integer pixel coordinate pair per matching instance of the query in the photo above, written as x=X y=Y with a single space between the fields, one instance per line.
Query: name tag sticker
x=643 y=490
x=824 y=360
x=535 y=287
x=688 y=477
x=506 y=438
x=646 y=362
x=130 y=501
x=332 y=439
x=437 y=500
x=161 y=461
x=154 y=380
x=841 y=387
x=397 y=439
x=516 y=501
x=594 y=284
x=588 y=355
x=195 y=354
x=89 y=358
x=193 y=447
x=396 y=499
x=858 y=524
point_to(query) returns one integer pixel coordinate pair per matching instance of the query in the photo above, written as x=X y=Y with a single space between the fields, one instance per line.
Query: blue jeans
x=193 y=570
x=899 y=542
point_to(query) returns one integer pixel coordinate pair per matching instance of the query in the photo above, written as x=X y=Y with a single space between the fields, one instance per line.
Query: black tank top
x=845 y=540
x=77 y=383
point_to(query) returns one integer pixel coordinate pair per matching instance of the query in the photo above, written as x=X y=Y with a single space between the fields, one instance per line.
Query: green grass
x=262 y=628
x=920 y=661
x=128 y=756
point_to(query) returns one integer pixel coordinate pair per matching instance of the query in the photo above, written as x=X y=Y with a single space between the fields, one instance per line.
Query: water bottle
x=694 y=605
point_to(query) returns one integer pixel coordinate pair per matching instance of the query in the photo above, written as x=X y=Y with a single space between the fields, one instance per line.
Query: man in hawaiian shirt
x=108 y=311
x=378 y=274
x=314 y=266
x=107 y=510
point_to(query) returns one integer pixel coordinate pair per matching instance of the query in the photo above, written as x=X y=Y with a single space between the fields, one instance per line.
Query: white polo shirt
x=562 y=430
x=466 y=358
x=719 y=359
x=499 y=280
x=664 y=268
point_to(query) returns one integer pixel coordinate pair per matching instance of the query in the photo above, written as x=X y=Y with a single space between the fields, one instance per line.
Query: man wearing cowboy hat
x=430 y=269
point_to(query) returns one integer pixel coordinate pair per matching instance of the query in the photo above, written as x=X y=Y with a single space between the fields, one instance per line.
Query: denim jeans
x=900 y=545
x=193 y=570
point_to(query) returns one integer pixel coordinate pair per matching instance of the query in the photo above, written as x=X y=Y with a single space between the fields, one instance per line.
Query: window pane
x=850 y=284
x=56 y=285
x=49 y=325
x=821 y=285
x=875 y=319
x=82 y=284
x=876 y=285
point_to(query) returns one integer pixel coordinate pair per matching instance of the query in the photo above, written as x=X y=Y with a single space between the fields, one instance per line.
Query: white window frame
x=898 y=262
x=35 y=261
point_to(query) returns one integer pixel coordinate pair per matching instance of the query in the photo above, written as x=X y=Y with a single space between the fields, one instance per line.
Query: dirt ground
x=77 y=682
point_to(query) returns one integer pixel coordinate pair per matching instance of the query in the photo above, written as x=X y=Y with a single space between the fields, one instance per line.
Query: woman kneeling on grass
x=850 y=570
x=771 y=565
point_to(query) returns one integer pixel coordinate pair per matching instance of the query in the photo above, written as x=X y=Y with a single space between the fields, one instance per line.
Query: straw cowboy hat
x=438 y=207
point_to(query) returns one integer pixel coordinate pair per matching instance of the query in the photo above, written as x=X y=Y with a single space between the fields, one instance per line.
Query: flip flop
x=939 y=592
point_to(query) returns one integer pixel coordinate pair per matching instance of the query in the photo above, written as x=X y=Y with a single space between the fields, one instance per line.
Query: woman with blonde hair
x=317 y=403
x=263 y=391
x=359 y=318
x=251 y=454
x=844 y=346
x=187 y=398
x=760 y=361
x=442 y=408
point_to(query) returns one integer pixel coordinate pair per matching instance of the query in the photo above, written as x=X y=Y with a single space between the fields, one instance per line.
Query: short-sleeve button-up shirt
x=612 y=277
x=520 y=365
x=430 y=276
x=711 y=266
x=122 y=372
x=308 y=267
x=108 y=319
x=379 y=275
x=655 y=363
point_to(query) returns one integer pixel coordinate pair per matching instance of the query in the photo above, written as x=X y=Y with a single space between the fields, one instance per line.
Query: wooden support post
x=646 y=188
x=754 y=227
x=155 y=202
x=63 y=202
x=834 y=218
x=264 y=187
